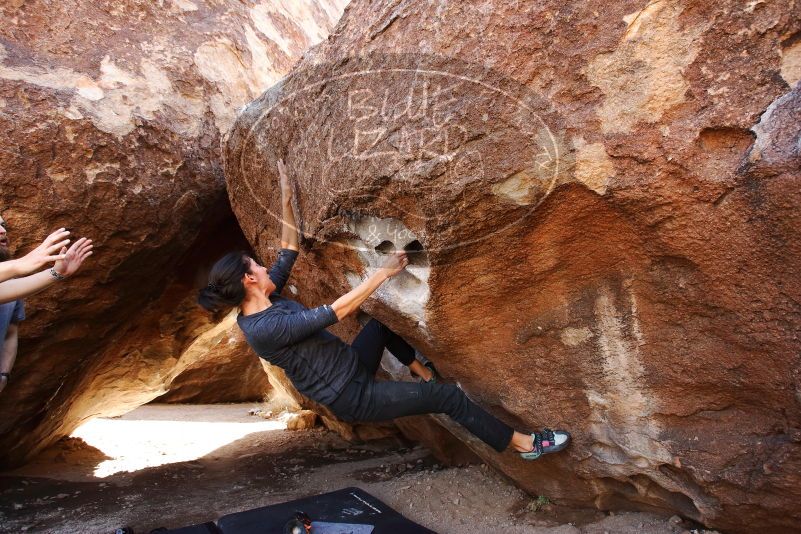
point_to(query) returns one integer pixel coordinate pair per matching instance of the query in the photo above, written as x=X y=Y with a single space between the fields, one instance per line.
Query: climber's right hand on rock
x=349 y=302
x=47 y=252
x=395 y=263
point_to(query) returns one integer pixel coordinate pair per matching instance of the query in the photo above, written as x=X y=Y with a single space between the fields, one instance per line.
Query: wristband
x=57 y=275
x=5 y=374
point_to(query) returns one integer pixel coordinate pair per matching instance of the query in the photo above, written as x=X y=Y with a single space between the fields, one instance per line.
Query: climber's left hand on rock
x=286 y=187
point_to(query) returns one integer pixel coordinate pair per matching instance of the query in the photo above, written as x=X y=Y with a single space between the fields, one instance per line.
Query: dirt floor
x=83 y=485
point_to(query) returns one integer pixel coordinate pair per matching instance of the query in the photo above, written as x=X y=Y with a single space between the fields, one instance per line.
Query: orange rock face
x=603 y=205
x=218 y=367
x=112 y=114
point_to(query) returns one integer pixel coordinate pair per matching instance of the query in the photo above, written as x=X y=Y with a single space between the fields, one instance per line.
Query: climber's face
x=258 y=279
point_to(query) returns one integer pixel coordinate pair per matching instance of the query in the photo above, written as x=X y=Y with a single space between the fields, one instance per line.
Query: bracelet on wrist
x=57 y=275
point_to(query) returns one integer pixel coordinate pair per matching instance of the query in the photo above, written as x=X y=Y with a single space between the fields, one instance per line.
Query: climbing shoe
x=546 y=442
x=435 y=378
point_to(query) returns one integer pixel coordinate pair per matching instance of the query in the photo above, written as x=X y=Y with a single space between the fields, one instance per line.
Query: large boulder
x=602 y=201
x=232 y=374
x=112 y=114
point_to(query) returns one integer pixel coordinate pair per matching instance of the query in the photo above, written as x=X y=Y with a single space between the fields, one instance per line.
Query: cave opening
x=157 y=434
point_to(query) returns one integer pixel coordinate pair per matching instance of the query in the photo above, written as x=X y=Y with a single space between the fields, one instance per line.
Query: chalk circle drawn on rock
x=448 y=133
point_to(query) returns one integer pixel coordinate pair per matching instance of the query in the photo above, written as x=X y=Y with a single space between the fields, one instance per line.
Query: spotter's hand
x=74 y=257
x=47 y=252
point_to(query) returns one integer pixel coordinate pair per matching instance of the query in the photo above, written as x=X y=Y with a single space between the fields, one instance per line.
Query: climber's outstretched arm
x=289 y=230
x=350 y=302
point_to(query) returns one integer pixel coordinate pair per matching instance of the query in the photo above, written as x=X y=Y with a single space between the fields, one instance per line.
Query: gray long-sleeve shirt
x=293 y=337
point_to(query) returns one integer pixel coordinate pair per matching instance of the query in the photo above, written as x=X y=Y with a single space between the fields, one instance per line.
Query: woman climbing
x=324 y=368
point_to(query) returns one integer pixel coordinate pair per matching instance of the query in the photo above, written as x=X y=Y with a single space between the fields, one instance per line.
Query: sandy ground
x=172 y=466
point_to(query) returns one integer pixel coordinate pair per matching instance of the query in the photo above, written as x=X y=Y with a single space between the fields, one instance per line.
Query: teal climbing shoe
x=546 y=442
x=435 y=378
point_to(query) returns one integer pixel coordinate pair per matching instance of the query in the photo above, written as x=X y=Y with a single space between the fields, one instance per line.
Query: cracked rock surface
x=606 y=198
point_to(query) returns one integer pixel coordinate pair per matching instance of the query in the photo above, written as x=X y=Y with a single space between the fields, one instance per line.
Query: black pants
x=365 y=399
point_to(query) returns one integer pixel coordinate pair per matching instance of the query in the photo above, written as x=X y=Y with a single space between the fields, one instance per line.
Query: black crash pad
x=204 y=528
x=349 y=505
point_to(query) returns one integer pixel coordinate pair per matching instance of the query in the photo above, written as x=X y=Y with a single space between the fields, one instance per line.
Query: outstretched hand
x=395 y=263
x=46 y=252
x=286 y=187
x=73 y=258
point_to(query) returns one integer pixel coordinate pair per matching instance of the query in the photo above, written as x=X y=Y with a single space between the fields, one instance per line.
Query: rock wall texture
x=112 y=114
x=218 y=367
x=602 y=201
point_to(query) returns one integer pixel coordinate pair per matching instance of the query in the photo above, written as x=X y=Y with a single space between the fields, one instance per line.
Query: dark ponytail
x=225 y=289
